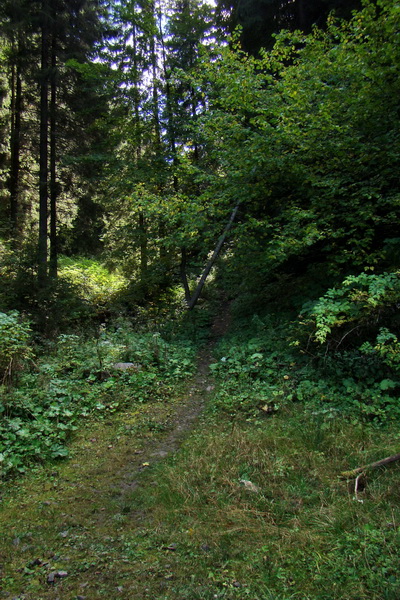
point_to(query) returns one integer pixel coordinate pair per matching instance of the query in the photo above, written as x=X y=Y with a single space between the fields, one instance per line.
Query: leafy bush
x=97 y=285
x=361 y=301
x=259 y=370
x=76 y=378
x=14 y=343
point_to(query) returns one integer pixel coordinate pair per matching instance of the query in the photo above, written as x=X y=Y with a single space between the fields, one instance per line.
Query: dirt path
x=187 y=413
x=182 y=422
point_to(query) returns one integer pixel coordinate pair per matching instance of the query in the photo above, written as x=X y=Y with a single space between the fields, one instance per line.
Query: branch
x=374 y=465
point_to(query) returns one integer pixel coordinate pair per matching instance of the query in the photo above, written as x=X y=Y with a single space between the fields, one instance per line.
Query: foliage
x=15 y=338
x=97 y=285
x=74 y=379
x=361 y=300
x=304 y=136
x=266 y=364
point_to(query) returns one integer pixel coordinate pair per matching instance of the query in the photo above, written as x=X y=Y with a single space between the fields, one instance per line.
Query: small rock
x=51 y=577
x=249 y=485
x=64 y=534
x=34 y=563
x=125 y=366
x=81 y=598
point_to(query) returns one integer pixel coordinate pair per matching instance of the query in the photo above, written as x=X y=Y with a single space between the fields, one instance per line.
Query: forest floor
x=63 y=527
x=169 y=501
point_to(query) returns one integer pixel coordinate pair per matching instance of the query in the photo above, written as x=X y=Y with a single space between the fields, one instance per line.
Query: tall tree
x=261 y=19
x=43 y=142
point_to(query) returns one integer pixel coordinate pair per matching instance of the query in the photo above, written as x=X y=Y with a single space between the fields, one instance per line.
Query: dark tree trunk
x=301 y=15
x=15 y=146
x=53 y=166
x=184 y=276
x=143 y=246
x=43 y=148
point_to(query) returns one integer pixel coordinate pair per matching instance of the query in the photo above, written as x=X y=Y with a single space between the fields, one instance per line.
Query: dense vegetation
x=151 y=149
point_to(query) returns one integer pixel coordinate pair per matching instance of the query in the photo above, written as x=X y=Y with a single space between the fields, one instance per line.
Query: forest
x=199 y=299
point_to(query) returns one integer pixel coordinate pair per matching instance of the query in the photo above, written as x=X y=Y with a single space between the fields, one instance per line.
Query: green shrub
x=360 y=302
x=14 y=343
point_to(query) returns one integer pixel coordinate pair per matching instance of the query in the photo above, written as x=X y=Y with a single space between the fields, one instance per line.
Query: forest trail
x=64 y=527
x=186 y=413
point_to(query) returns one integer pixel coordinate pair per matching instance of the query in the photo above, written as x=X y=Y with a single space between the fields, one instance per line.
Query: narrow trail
x=187 y=413
x=183 y=421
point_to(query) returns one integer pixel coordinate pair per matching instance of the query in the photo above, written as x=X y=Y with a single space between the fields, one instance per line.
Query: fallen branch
x=374 y=465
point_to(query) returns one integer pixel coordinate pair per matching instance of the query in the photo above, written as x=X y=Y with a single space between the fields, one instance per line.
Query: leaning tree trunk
x=196 y=295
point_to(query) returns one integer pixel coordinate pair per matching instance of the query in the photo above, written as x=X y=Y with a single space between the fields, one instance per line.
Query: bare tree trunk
x=43 y=149
x=15 y=144
x=184 y=276
x=194 y=298
x=53 y=168
x=143 y=247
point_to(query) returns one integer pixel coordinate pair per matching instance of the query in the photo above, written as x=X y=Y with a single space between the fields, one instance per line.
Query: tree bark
x=194 y=298
x=184 y=276
x=53 y=266
x=43 y=148
x=16 y=110
x=374 y=465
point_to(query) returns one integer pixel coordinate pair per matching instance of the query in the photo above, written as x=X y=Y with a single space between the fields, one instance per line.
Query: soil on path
x=187 y=412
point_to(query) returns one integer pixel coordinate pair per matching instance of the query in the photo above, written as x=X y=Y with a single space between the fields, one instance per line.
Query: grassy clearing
x=192 y=530
x=298 y=534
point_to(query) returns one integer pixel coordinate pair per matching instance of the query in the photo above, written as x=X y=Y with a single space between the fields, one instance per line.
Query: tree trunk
x=143 y=247
x=43 y=149
x=15 y=144
x=184 y=276
x=194 y=298
x=53 y=167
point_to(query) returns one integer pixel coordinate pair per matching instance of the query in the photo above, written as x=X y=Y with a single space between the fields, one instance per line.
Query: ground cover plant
x=73 y=378
x=250 y=507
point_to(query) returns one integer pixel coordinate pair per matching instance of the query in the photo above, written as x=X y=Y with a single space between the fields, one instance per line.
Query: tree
x=302 y=137
x=261 y=19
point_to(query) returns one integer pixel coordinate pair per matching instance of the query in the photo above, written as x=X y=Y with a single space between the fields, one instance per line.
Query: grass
x=191 y=530
x=250 y=507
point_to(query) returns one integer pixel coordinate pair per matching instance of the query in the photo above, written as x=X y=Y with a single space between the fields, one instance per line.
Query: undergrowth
x=44 y=398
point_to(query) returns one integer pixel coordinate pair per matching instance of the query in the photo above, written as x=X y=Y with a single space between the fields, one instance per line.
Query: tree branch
x=374 y=465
